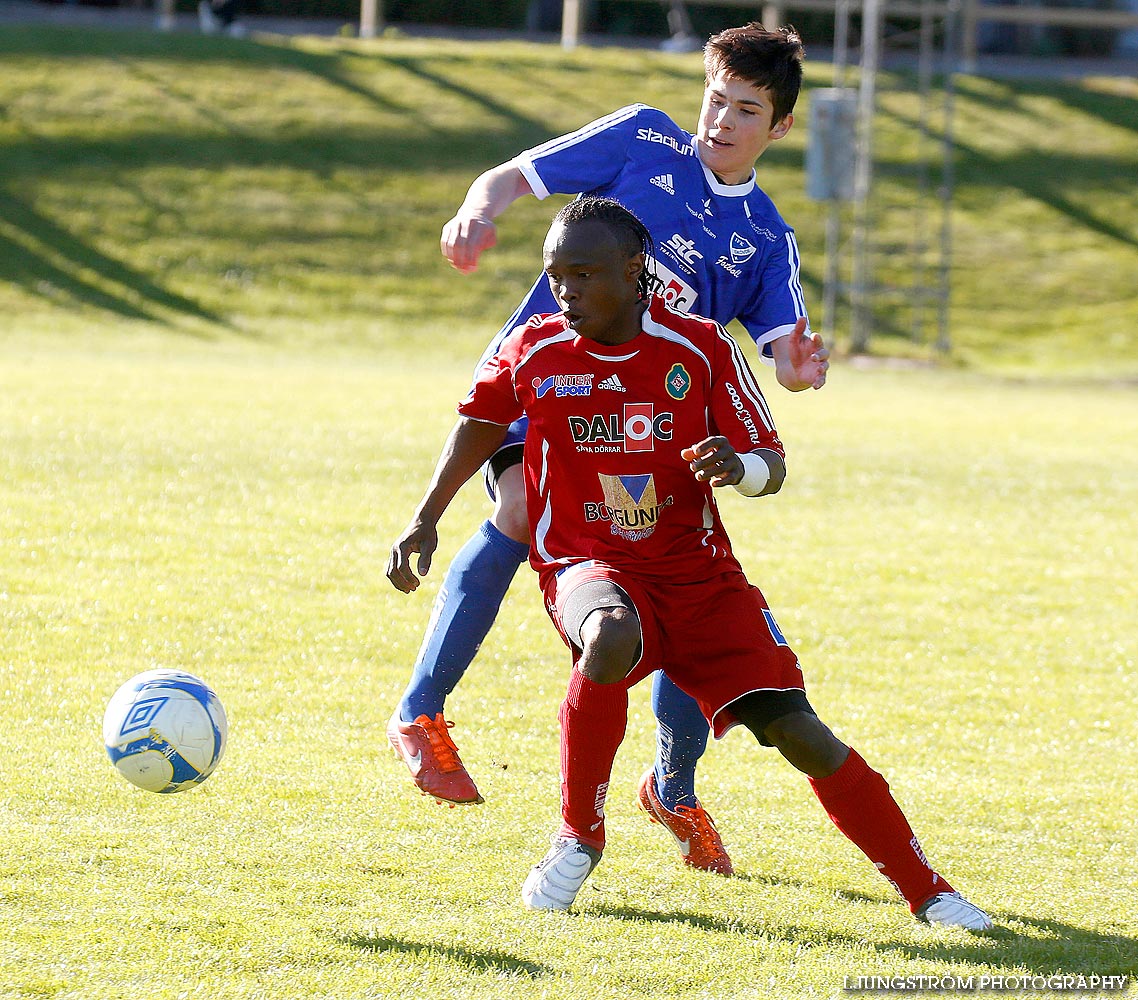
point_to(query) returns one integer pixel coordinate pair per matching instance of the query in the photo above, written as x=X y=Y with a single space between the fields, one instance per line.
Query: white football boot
x=950 y=909
x=555 y=880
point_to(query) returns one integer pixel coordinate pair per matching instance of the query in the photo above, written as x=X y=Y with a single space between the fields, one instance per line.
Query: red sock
x=858 y=801
x=593 y=719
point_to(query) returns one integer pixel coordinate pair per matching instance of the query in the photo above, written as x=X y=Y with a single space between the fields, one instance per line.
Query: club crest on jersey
x=631 y=506
x=742 y=249
x=636 y=428
x=565 y=385
x=678 y=381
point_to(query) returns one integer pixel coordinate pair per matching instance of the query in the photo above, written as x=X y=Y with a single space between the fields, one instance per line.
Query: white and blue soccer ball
x=165 y=730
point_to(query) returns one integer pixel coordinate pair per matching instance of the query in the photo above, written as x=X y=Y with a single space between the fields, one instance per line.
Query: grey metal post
x=371 y=18
x=831 y=154
x=571 y=15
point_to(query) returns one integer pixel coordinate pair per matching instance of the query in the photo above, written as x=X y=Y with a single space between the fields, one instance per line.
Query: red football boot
x=693 y=828
x=426 y=748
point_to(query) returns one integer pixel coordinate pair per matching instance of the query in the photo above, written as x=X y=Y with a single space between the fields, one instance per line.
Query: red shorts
x=717 y=639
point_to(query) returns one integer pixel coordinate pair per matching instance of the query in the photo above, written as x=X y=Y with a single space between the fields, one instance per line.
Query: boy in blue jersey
x=720 y=249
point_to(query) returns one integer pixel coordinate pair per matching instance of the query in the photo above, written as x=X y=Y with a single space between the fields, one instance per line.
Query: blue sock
x=466 y=606
x=681 y=739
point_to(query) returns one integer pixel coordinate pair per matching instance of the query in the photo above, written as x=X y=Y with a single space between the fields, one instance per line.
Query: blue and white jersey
x=721 y=250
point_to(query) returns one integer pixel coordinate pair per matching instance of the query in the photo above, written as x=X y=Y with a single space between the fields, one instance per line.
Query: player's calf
x=805 y=741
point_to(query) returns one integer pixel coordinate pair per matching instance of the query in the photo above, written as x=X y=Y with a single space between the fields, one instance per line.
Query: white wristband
x=756 y=474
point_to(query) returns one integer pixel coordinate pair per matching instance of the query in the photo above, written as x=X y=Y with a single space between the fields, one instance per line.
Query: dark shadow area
x=1047 y=178
x=1043 y=176
x=49 y=261
x=1111 y=109
x=1056 y=949
x=718 y=925
x=485 y=960
x=519 y=122
x=34 y=269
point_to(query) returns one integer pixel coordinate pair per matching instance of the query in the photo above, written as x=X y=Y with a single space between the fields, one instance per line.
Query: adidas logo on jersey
x=664 y=183
x=612 y=382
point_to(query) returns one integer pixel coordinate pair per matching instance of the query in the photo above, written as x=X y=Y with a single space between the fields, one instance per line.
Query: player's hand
x=714 y=461
x=806 y=360
x=416 y=538
x=463 y=240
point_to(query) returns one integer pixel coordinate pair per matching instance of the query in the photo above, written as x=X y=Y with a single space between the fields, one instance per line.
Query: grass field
x=227 y=360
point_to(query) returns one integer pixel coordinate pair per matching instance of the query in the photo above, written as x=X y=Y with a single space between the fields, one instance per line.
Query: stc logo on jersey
x=566 y=385
x=638 y=428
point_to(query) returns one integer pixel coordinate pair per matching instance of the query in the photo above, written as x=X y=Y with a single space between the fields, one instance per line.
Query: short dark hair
x=631 y=234
x=761 y=56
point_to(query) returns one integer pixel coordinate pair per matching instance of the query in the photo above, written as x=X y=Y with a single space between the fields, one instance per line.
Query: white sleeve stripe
x=544 y=466
x=587 y=131
x=747 y=381
x=541 y=529
x=794 y=283
x=483 y=420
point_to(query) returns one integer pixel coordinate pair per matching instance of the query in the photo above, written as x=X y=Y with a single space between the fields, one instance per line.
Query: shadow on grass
x=53 y=263
x=1116 y=110
x=31 y=261
x=487 y=960
x=1044 y=176
x=1044 y=947
x=435 y=80
x=700 y=921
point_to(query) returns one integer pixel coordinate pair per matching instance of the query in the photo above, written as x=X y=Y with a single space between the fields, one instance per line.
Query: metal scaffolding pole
x=832 y=279
x=948 y=171
x=860 y=291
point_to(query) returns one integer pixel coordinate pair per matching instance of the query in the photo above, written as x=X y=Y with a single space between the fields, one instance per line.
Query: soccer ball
x=165 y=730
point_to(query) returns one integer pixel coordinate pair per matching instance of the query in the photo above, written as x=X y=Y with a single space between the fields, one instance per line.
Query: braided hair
x=631 y=234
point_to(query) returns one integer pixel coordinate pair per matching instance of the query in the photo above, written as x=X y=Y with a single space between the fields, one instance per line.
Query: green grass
x=951 y=556
x=228 y=356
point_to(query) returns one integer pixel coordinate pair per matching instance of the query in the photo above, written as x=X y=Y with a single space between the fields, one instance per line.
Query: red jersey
x=604 y=476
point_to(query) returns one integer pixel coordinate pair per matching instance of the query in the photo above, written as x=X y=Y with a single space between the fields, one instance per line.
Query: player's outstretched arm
x=800 y=360
x=755 y=473
x=470 y=444
x=472 y=230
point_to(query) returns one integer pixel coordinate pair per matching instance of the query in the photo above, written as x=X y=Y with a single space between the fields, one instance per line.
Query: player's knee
x=806 y=741
x=610 y=643
x=509 y=515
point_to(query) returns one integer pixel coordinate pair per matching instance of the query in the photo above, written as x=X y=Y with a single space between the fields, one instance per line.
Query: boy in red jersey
x=722 y=250
x=637 y=413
